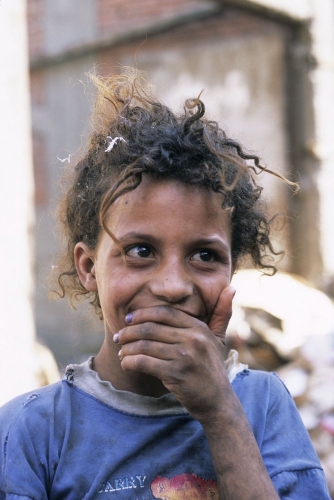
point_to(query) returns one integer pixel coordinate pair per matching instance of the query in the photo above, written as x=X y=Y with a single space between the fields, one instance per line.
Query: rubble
x=282 y=324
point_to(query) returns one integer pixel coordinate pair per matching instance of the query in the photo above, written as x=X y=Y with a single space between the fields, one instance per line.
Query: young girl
x=157 y=216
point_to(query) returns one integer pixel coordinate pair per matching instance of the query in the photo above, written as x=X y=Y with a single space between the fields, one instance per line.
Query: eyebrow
x=209 y=241
x=136 y=236
x=212 y=241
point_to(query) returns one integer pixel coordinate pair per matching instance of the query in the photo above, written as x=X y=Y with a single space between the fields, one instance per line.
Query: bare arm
x=236 y=458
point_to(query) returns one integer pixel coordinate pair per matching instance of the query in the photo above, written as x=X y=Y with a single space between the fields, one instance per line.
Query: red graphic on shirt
x=184 y=487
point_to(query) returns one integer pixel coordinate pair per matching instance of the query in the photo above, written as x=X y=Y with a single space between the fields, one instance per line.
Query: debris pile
x=282 y=324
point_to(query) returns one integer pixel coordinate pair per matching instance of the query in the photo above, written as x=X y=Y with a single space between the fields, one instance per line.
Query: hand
x=183 y=352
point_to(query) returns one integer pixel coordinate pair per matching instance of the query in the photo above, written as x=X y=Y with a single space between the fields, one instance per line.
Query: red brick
x=116 y=15
x=37 y=87
x=230 y=23
x=35 y=12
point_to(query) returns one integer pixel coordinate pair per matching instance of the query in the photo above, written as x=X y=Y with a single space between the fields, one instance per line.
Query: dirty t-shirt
x=83 y=439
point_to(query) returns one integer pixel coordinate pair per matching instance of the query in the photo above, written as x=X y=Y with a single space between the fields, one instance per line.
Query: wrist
x=223 y=414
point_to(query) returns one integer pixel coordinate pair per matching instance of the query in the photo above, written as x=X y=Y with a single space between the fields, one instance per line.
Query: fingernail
x=116 y=338
x=128 y=317
x=120 y=354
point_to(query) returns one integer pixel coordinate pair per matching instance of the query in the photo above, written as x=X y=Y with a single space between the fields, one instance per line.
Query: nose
x=171 y=282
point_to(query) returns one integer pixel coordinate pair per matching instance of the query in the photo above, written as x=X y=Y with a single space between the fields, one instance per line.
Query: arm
x=236 y=457
x=187 y=356
x=240 y=471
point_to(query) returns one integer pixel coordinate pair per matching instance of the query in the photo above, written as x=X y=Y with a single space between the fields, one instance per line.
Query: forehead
x=170 y=204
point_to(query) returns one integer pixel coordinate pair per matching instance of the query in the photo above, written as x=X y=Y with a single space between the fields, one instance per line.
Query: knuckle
x=183 y=353
x=199 y=342
x=136 y=363
x=139 y=363
x=146 y=329
x=144 y=346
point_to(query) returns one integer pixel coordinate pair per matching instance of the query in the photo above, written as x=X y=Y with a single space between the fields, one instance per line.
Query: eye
x=204 y=256
x=141 y=251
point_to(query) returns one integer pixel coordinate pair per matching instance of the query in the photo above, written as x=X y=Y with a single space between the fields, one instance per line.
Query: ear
x=85 y=266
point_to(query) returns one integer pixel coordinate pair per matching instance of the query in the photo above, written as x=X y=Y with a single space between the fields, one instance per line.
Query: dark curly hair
x=135 y=134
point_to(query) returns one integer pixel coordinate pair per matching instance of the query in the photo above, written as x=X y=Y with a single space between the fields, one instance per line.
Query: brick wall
x=119 y=15
x=35 y=13
x=40 y=172
x=38 y=102
x=37 y=88
x=226 y=25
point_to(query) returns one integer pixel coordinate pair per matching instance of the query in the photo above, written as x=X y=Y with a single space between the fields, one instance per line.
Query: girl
x=157 y=216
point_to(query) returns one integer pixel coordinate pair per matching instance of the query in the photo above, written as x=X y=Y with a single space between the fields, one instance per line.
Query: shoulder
x=269 y=407
x=29 y=428
x=266 y=401
x=248 y=376
x=54 y=407
x=23 y=400
x=265 y=387
x=278 y=428
x=41 y=394
x=41 y=404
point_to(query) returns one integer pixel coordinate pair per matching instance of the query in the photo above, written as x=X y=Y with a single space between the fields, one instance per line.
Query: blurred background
x=267 y=70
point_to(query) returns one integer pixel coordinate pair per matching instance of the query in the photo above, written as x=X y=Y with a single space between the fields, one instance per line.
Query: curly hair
x=135 y=134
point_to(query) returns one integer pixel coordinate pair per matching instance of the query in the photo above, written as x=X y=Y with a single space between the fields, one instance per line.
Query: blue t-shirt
x=82 y=439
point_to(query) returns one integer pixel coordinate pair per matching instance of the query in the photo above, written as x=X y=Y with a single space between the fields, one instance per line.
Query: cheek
x=213 y=289
x=116 y=292
x=114 y=303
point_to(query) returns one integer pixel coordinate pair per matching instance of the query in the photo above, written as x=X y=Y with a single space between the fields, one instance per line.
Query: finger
x=158 y=350
x=146 y=364
x=166 y=315
x=188 y=346
x=222 y=312
x=170 y=372
x=149 y=331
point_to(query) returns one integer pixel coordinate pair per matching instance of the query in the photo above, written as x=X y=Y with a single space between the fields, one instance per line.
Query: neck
x=108 y=366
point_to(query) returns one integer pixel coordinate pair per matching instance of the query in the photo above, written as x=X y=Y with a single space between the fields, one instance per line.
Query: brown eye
x=142 y=251
x=204 y=256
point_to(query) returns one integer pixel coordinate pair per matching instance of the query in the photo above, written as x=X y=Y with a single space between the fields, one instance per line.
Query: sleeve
x=287 y=449
x=301 y=485
x=23 y=461
x=284 y=442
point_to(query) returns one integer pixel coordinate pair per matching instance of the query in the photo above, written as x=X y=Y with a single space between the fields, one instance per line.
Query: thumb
x=222 y=312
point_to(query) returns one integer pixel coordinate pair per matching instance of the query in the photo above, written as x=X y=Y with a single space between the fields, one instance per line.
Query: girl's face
x=177 y=246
